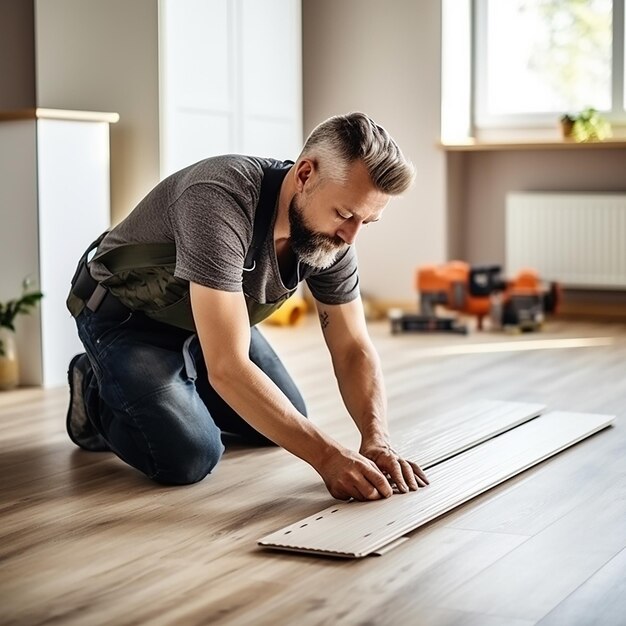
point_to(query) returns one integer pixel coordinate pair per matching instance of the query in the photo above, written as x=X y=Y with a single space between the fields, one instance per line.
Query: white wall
x=19 y=254
x=54 y=200
x=103 y=56
x=384 y=58
x=222 y=88
x=73 y=188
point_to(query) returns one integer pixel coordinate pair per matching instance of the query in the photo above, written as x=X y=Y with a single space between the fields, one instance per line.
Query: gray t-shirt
x=207 y=210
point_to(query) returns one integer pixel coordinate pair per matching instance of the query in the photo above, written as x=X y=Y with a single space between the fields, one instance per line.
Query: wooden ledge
x=475 y=145
x=59 y=114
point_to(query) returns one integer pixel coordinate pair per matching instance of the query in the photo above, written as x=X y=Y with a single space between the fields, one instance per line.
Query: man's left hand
x=404 y=474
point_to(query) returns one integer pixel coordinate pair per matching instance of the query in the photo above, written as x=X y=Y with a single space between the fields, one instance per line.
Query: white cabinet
x=54 y=200
x=230 y=79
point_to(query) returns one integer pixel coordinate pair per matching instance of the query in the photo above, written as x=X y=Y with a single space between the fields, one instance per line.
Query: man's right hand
x=348 y=474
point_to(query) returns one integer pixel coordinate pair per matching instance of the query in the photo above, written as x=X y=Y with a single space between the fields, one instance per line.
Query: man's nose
x=349 y=231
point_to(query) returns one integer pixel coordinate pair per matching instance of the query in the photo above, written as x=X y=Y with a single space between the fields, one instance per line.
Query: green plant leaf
x=11 y=309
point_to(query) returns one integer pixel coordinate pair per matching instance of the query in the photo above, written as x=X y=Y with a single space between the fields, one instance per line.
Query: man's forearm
x=360 y=380
x=254 y=396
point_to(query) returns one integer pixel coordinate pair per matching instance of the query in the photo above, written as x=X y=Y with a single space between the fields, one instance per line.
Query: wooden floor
x=86 y=540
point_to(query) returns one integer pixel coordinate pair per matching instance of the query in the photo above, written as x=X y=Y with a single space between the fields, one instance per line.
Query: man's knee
x=190 y=464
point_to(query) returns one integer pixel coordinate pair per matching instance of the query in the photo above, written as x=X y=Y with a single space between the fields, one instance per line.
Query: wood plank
x=356 y=529
x=533 y=579
x=599 y=600
x=404 y=583
x=441 y=437
x=551 y=491
x=85 y=539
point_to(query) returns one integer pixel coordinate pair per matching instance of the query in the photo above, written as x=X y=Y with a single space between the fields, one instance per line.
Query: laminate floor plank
x=531 y=580
x=556 y=487
x=84 y=539
x=600 y=600
x=359 y=529
x=421 y=571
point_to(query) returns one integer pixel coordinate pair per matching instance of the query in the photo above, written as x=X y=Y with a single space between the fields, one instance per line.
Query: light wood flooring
x=85 y=539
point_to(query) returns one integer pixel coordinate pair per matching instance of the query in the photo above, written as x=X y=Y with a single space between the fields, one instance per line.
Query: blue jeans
x=149 y=397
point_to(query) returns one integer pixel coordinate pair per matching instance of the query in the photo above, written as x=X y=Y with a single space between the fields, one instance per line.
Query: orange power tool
x=517 y=304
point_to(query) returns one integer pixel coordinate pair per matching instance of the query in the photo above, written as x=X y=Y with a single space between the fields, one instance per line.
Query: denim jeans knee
x=191 y=463
x=151 y=413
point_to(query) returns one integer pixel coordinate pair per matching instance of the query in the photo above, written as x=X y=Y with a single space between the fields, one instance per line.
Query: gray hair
x=342 y=139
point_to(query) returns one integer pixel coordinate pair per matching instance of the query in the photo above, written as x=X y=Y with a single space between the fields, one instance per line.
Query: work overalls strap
x=85 y=291
x=142 y=275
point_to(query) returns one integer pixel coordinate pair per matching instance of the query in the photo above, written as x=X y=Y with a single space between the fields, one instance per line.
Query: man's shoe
x=79 y=428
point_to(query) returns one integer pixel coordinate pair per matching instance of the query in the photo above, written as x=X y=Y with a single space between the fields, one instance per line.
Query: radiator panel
x=577 y=239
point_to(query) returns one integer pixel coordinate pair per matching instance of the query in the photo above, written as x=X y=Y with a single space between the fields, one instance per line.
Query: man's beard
x=315 y=249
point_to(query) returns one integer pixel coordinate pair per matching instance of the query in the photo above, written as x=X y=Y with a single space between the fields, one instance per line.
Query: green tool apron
x=142 y=275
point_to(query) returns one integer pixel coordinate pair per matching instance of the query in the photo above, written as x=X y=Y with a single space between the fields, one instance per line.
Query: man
x=165 y=310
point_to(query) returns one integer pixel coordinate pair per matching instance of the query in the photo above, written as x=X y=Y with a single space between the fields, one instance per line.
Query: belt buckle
x=96 y=298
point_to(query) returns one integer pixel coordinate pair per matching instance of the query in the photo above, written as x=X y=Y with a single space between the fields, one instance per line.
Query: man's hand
x=406 y=475
x=348 y=474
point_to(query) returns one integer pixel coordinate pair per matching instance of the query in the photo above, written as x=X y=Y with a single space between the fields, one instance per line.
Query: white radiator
x=578 y=239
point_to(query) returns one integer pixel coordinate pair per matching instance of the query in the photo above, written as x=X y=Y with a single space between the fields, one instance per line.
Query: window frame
x=482 y=119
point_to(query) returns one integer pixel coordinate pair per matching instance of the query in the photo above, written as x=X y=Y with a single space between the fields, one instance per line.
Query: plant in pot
x=588 y=125
x=9 y=371
x=567 y=125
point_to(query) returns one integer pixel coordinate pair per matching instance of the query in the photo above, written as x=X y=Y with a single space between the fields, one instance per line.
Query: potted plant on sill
x=567 y=125
x=588 y=125
x=9 y=371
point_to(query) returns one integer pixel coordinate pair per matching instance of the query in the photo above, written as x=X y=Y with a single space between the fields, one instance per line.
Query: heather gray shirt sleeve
x=207 y=210
x=212 y=231
x=338 y=284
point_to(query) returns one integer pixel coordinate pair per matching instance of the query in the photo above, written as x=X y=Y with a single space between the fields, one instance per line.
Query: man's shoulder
x=228 y=169
x=236 y=175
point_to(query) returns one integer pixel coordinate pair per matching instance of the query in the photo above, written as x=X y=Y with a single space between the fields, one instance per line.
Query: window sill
x=474 y=145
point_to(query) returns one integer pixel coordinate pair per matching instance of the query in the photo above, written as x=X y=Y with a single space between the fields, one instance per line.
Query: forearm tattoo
x=324 y=319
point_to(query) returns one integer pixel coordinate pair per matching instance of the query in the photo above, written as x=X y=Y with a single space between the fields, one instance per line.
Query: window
x=537 y=59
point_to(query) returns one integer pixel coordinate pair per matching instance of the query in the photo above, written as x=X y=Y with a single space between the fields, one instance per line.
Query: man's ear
x=306 y=173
